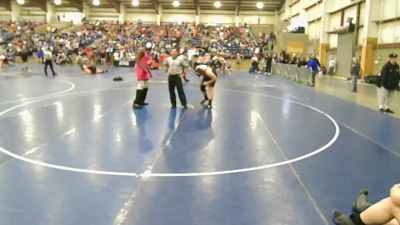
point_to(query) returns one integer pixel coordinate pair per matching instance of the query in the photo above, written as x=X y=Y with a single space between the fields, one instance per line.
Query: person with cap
x=143 y=75
x=176 y=66
x=48 y=61
x=209 y=80
x=388 y=83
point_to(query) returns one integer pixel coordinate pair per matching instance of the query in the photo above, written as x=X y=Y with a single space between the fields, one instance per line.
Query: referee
x=176 y=65
x=48 y=61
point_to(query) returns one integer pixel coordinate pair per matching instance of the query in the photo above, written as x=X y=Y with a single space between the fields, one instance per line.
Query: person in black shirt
x=254 y=69
x=268 y=64
x=355 y=73
x=388 y=83
x=215 y=64
x=24 y=54
x=302 y=62
x=294 y=60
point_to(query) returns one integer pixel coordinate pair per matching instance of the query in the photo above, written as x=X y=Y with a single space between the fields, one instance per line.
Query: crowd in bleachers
x=17 y=37
x=117 y=44
x=13 y=35
x=228 y=42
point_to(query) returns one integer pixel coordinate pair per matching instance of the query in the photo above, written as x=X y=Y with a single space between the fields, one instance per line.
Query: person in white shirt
x=332 y=66
x=191 y=52
x=2 y=56
x=225 y=67
x=254 y=69
x=239 y=58
x=48 y=61
x=176 y=65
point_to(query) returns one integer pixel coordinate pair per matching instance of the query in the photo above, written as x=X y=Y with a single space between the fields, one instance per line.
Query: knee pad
x=203 y=88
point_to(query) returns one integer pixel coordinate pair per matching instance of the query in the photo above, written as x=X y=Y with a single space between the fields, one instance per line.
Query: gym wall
x=68 y=16
x=217 y=19
x=344 y=54
x=33 y=14
x=178 y=18
x=5 y=17
x=388 y=31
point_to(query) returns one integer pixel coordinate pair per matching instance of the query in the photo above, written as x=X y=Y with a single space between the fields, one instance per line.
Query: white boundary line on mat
x=188 y=174
x=72 y=87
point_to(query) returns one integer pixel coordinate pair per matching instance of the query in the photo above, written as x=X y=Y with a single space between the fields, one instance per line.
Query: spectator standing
x=388 y=83
x=239 y=58
x=109 y=54
x=355 y=73
x=2 y=57
x=294 y=59
x=268 y=64
x=190 y=53
x=314 y=65
x=24 y=54
x=10 y=55
x=302 y=62
x=102 y=54
x=332 y=66
x=254 y=65
x=39 y=54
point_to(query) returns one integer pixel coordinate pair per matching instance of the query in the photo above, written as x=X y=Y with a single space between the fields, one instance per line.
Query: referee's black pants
x=48 y=62
x=176 y=81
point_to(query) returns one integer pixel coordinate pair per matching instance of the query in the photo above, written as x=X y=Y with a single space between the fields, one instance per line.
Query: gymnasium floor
x=270 y=152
